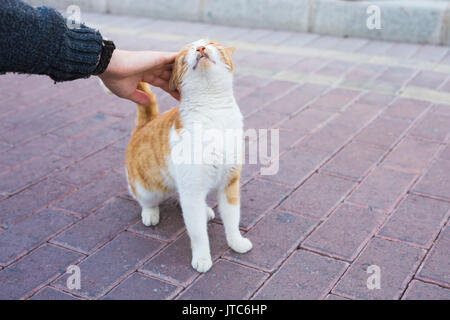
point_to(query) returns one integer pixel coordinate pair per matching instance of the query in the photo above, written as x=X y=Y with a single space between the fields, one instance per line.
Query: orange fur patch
x=179 y=69
x=232 y=190
x=147 y=151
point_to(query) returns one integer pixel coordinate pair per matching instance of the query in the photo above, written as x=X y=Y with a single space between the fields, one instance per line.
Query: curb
x=415 y=21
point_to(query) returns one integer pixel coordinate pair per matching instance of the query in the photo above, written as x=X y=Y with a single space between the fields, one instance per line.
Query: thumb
x=140 y=97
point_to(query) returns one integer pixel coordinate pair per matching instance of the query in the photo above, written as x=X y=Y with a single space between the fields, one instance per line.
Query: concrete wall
x=418 y=21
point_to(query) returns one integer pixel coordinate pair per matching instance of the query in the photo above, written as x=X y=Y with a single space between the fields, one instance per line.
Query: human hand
x=127 y=68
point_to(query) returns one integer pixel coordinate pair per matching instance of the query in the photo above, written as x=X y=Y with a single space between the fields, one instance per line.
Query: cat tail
x=148 y=112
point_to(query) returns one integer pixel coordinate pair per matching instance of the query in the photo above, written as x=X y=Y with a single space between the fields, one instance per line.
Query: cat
x=203 y=74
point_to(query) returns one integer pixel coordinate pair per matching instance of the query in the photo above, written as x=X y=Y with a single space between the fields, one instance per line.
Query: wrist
x=106 y=54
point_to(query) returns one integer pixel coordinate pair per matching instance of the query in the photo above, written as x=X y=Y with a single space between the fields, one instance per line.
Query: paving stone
x=81 y=126
x=350 y=44
x=428 y=79
x=225 y=281
x=32 y=128
x=4 y=146
x=434 y=267
x=331 y=137
x=336 y=68
x=433 y=126
x=269 y=247
x=173 y=263
x=41 y=266
x=304 y=275
x=119 y=257
x=31 y=172
x=140 y=287
x=382 y=188
x=397 y=263
x=85 y=170
x=286 y=140
x=383 y=132
x=298 y=98
x=418 y=290
x=299 y=39
x=309 y=65
x=296 y=165
x=269 y=61
x=396 y=75
x=354 y=160
x=324 y=42
x=402 y=50
x=335 y=99
x=263 y=96
x=417 y=220
x=30 y=233
x=100 y=227
x=431 y=53
x=49 y=293
x=83 y=146
x=306 y=121
x=345 y=232
x=93 y=194
x=29 y=200
x=318 y=196
x=262 y=120
x=335 y=297
x=376 y=99
x=445 y=87
x=441 y=109
x=358 y=114
x=375 y=47
x=34 y=148
x=411 y=155
x=406 y=109
x=258 y=197
x=445 y=154
x=435 y=182
x=362 y=72
x=170 y=226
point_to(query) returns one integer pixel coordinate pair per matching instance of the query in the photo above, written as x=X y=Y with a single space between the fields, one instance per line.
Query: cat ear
x=230 y=50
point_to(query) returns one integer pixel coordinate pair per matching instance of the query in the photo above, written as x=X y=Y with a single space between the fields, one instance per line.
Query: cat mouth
x=200 y=56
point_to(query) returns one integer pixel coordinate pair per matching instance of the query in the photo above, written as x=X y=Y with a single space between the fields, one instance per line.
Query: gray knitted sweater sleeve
x=38 y=41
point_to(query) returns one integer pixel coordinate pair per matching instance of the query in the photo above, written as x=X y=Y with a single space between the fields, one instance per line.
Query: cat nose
x=201 y=49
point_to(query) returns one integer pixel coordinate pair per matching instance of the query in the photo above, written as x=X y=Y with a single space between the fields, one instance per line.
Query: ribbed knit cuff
x=78 y=52
x=78 y=56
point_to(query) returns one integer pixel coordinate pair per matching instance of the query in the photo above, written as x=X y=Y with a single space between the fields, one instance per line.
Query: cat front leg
x=228 y=199
x=195 y=218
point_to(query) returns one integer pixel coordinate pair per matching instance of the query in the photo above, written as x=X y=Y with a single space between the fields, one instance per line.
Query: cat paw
x=241 y=245
x=201 y=264
x=150 y=216
x=210 y=213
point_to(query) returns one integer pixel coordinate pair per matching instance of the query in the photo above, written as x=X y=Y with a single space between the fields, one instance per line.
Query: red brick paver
x=363 y=179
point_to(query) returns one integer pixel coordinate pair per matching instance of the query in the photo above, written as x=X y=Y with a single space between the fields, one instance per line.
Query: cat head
x=201 y=59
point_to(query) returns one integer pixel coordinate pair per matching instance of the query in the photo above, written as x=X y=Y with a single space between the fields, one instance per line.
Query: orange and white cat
x=203 y=75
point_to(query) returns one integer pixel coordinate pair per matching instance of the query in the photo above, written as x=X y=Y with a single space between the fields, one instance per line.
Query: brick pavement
x=364 y=176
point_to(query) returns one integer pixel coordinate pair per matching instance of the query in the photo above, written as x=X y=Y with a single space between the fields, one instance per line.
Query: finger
x=156 y=81
x=166 y=75
x=173 y=93
x=163 y=84
x=139 y=97
x=168 y=57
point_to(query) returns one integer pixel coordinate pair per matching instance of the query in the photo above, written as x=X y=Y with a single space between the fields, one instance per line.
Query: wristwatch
x=108 y=48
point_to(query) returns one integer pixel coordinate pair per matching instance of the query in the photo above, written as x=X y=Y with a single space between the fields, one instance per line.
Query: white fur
x=207 y=100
